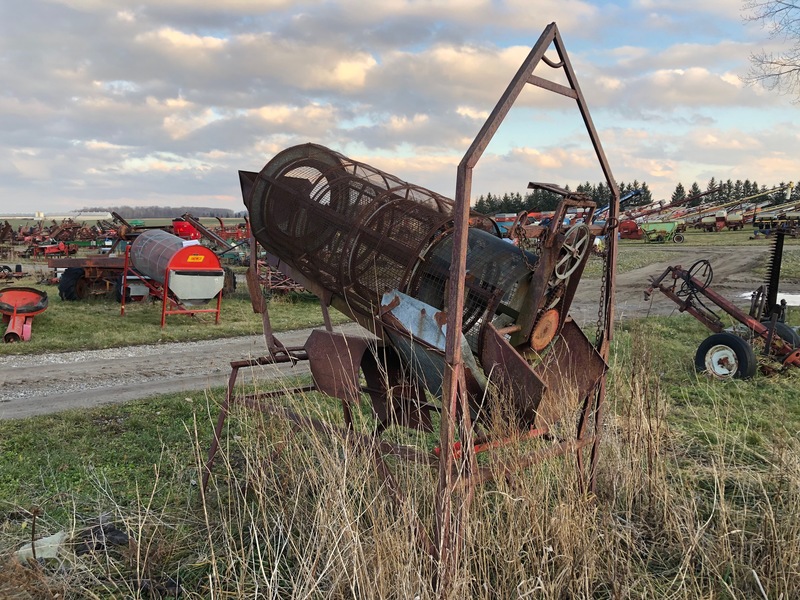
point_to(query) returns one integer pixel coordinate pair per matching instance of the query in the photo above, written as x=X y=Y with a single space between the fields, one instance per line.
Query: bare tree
x=776 y=71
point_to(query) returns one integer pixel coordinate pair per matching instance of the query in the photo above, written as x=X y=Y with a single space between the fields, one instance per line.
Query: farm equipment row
x=663 y=222
x=64 y=239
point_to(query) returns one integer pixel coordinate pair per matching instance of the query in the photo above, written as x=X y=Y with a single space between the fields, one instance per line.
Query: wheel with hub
x=678 y=238
x=726 y=356
x=73 y=285
x=577 y=242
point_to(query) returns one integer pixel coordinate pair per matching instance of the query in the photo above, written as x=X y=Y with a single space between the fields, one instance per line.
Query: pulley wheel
x=577 y=242
x=545 y=330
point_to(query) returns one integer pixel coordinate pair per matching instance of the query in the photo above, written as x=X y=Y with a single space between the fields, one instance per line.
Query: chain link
x=524 y=244
x=603 y=284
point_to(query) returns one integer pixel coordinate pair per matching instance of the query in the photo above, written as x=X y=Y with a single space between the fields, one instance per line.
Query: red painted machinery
x=184 y=275
x=731 y=352
x=18 y=306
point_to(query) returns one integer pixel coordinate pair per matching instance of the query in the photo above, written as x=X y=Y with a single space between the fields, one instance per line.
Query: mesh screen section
x=353 y=229
x=497 y=277
x=360 y=232
x=152 y=251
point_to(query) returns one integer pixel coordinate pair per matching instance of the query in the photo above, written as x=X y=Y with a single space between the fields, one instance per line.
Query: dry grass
x=292 y=514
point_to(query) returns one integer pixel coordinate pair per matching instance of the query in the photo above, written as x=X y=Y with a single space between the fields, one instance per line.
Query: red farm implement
x=731 y=352
x=19 y=305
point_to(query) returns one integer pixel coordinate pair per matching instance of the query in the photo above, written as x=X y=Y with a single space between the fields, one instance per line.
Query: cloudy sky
x=161 y=102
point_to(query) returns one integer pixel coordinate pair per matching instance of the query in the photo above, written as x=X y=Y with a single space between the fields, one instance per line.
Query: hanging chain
x=525 y=245
x=522 y=244
x=603 y=284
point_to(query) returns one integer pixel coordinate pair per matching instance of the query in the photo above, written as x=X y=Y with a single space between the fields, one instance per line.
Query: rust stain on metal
x=405 y=262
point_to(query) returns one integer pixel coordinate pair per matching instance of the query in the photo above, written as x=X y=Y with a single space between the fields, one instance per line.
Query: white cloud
x=181 y=40
x=166 y=99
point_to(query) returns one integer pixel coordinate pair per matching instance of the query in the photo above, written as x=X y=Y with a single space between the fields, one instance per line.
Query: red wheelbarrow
x=18 y=306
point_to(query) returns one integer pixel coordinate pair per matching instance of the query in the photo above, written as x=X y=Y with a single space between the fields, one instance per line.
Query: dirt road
x=33 y=385
x=733 y=275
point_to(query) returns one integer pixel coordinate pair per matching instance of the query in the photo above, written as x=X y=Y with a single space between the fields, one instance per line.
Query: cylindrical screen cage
x=360 y=232
x=152 y=251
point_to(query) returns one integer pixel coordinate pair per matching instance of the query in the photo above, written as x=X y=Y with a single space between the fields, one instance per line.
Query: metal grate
x=360 y=232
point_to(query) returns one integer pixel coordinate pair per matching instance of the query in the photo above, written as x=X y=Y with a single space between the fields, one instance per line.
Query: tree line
x=165 y=212
x=715 y=192
x=542 y=200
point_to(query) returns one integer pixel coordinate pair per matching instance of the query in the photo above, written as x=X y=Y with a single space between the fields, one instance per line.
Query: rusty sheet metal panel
x=417 y=332
x=335 y=359
x=513 y=375
x=571 y=368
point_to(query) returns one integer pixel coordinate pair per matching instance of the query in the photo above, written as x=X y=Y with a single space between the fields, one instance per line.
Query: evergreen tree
x=694 y=191
x=738 y=189
x=714 y=195
x=679 y=194
x=646 y=197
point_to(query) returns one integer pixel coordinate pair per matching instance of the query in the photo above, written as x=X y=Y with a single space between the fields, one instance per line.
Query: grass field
x=697 y=492
x=697 y=498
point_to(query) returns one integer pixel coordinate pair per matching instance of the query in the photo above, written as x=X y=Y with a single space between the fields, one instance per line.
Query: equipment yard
x=55 y=381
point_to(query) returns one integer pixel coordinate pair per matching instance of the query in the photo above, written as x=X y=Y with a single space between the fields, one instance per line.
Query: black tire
x=229 y=287
x=68 y=286
x=725 y=356
x=678 y=238
x=118 y=291
x=786 y=333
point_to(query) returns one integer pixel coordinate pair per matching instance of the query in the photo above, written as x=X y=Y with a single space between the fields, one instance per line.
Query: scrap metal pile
x=463 y=321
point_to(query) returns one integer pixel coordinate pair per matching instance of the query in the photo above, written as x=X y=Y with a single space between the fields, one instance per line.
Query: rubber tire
x=746 y=362
x=786 y=333
x=229 y=287
x=678 y=238
x=118 y=291
x=68 y=284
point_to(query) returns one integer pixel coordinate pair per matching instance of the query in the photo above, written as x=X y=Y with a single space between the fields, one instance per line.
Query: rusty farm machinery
x=460 y=319
x=758 y=338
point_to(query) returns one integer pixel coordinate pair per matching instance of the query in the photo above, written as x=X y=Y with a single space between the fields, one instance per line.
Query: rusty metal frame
x=774 y=345
x=458 y=472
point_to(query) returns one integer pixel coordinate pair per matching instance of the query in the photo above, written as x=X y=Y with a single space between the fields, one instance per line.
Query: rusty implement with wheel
x=731 y=352
x=462 y=322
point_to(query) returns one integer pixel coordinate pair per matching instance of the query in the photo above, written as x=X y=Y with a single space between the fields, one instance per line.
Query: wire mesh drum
x=359 y=232
x=192 y=272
